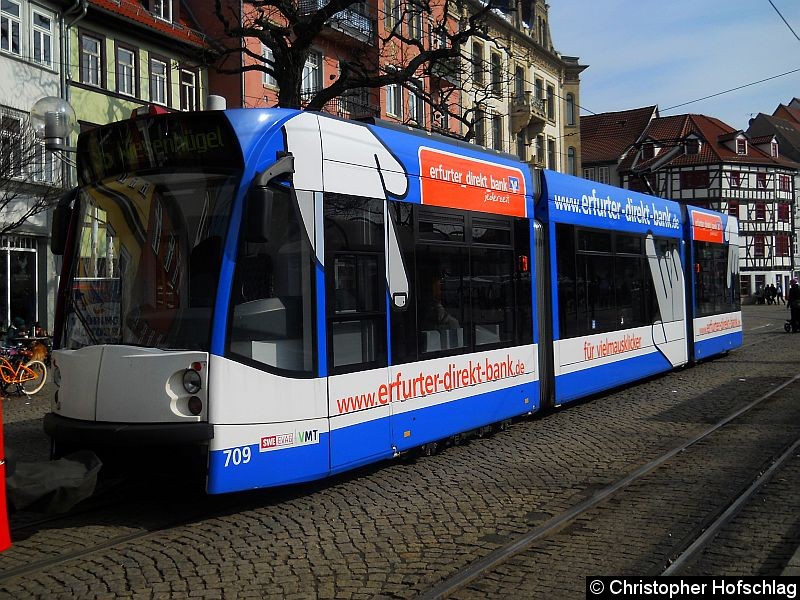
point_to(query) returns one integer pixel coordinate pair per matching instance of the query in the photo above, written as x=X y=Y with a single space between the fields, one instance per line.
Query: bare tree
x=30 y=176
x=404 y=43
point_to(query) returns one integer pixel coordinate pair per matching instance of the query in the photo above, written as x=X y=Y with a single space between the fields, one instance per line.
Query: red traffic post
x=5 y=534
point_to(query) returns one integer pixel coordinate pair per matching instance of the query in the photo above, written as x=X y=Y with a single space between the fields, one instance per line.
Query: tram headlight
x=195 y=405
x=191 y=381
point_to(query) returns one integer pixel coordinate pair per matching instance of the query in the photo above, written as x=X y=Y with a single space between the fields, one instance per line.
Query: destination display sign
x=179 y=141
x=706 y=227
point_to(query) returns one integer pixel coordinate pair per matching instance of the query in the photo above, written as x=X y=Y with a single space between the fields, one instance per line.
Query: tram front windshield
x=147 y=259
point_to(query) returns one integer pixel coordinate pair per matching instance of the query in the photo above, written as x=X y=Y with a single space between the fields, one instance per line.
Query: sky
x=667 y=52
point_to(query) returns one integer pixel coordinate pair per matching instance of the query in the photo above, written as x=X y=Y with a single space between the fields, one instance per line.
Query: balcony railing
x=355 y=105
x=526 y=110
x=357 y=21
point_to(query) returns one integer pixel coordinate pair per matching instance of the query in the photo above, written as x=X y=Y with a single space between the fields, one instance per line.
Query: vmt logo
x=308 y=437
x=513 y=183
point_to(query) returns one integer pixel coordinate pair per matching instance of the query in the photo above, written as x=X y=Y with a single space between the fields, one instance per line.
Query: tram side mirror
x=59 y=230
x=258 y=214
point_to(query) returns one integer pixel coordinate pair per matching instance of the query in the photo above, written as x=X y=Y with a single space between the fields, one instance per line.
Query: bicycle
x=20 y=374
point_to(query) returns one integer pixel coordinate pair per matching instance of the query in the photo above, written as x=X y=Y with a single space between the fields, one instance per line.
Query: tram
x=299 y=295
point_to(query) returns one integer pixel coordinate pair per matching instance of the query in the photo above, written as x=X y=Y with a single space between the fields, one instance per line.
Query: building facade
x=699 y=160
x=523 y=95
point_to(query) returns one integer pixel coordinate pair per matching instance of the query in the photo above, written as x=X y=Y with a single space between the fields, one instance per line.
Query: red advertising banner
x=707 y=228
x=454 y=181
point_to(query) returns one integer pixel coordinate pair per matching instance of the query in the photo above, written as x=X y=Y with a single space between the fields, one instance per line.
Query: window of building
x=588 y=173
x=736 y=179
x=782 y=245
x=570 y=109
x=312 y=75
x=692 y=146
x=10 y=27
x=392 y=11
x=478 y=70
x=42 y=32
x=773 y=148
x=416 y=105
x=92 y=60
x=480 y=127
x=519 y=83
x=414 y=20
x=761 y=211
x=188 y=84
x=538 y=88
x=745 y=281
x=126 y=71
x=522 y=146
x=694 y=179
x=571 y=162
x=162 y=9
x=551 y=102
x=648 y=151
x=603 y=175
x=785 y=183
x=552 y=162
x=159 y=81
x=497 y=132
x=44 y=165
x=269 y=61
x=393 y=101
x=733 y=208
x=11 y=157
x=497 y=74
x=784 y=210
x=741 y=146
x=758 y=246
x=761 y=181
x=539 y=149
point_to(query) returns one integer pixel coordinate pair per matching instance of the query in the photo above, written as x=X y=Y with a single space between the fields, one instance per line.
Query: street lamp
x=53 y=120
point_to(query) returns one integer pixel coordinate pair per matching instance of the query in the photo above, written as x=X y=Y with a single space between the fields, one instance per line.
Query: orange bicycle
x=20 y=374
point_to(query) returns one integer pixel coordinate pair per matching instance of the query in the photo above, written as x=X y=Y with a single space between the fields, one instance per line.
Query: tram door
x=355 y=298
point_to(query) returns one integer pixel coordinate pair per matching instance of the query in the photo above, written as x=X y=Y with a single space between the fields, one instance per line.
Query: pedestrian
x=770 y=294
x=794 y=305
x=779 y=294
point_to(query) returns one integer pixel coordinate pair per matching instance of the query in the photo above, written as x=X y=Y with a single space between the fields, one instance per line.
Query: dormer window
x=648 y=151
x=692 y=146
x=773 y=149
x=162 y=9
x=741 y=146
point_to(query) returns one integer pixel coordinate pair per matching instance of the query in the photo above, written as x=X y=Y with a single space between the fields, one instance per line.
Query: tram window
x=491 y=232
x=715 y=291
x=439 y=226
x=596 y=310
x=567 y=280
x=442 y=295
x=630 y=291
x=492 y=296
x=628 y=244
x=601 y=291
x=354 y=258
x=466 y=291
x=594 y=241
x=272 y=312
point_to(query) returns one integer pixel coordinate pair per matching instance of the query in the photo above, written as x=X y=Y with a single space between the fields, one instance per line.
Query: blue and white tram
x=301 y=295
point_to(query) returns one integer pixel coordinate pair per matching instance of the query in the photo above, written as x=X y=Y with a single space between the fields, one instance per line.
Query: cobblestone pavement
x=394 y=530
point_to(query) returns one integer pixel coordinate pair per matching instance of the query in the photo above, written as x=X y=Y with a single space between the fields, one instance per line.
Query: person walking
x=794 y=304
x=779 y=294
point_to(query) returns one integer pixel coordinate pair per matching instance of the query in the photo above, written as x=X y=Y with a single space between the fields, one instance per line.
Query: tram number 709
x=237 y=456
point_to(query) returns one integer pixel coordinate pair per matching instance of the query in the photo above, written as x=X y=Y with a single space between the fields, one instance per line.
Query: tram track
x=483 y=566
